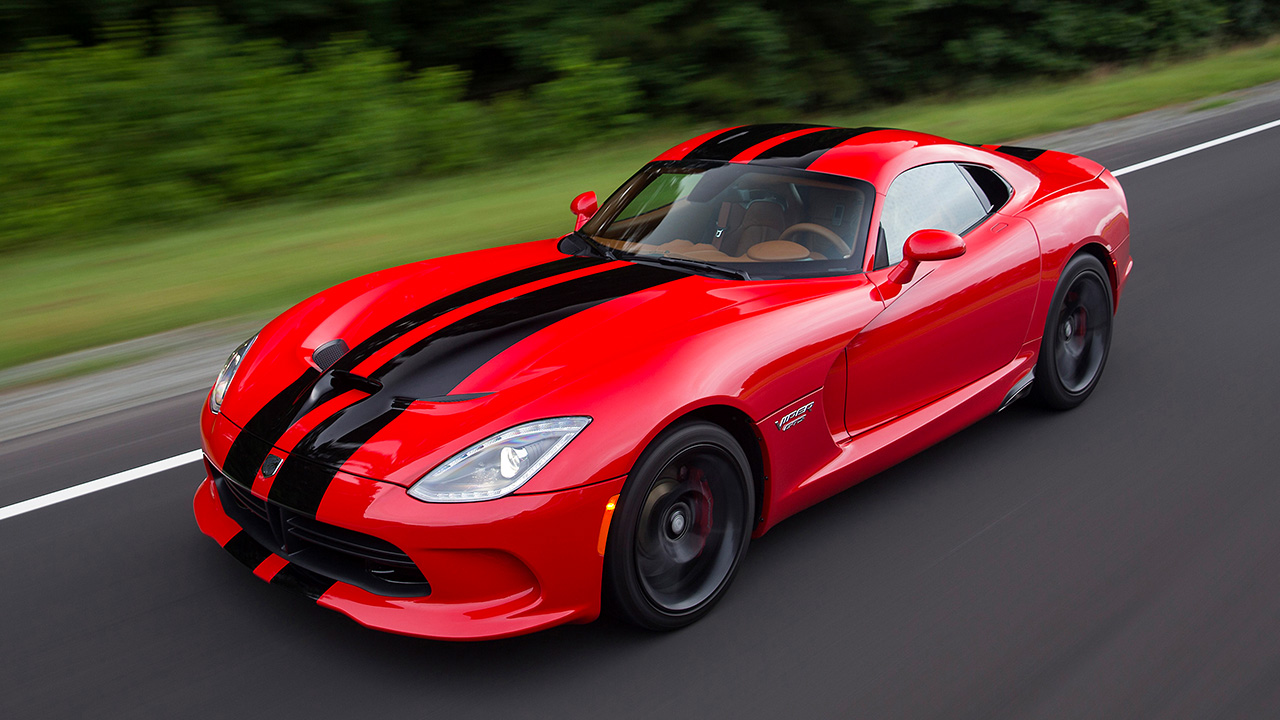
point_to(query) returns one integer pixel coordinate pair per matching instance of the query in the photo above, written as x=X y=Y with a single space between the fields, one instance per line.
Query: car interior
x=759 y=215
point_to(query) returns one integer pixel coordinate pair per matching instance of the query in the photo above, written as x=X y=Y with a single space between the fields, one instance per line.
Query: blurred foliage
x=118 y=132
x=141 y=280
x=146 y=112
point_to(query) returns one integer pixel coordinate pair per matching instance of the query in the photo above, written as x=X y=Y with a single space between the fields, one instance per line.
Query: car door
x=957 y=320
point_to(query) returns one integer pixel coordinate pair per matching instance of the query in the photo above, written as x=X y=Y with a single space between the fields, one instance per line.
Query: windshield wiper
x=690 y=264
x=594 y=246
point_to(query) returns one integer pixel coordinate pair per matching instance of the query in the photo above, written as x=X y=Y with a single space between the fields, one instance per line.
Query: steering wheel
x=826 y=232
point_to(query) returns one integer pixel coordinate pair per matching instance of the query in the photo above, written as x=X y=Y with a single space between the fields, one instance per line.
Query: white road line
x=1195 y=148
x=93 y=486
x=160 y=466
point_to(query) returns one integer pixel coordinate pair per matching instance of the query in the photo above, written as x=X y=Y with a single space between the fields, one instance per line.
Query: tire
x=681 y=530
x=1077 y=335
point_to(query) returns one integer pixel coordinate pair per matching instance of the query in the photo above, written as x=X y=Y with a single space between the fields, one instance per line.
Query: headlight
x=227 y=374
x=499 y=464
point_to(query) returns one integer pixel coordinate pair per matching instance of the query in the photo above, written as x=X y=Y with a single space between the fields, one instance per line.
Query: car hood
x=439 y=359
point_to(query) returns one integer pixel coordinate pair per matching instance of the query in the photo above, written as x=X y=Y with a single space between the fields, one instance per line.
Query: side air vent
x=329 y=353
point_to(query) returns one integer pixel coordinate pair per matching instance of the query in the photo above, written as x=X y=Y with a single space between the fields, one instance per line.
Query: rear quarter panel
x=1089 y=213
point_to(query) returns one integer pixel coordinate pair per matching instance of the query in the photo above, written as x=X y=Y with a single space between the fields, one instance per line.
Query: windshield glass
x=767 y=221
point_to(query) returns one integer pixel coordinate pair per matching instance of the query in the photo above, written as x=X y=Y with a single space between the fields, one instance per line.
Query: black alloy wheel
x=682 y=527
x=1077 y=335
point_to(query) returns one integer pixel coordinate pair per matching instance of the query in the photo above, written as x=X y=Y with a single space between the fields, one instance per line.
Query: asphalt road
x=1118 y=561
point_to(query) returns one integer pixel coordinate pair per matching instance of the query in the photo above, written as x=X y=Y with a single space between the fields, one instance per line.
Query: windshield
x=768 y=221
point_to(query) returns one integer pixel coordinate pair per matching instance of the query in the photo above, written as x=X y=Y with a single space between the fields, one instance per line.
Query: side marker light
x=604 y=524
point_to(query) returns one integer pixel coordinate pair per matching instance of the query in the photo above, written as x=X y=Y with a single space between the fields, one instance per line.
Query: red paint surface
x=889 y=369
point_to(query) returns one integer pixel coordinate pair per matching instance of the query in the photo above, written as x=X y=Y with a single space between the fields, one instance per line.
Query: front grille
x=346 y=555
x=300 y=529
x=246 y=500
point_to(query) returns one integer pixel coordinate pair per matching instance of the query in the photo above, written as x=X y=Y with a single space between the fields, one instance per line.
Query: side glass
x=936 y=196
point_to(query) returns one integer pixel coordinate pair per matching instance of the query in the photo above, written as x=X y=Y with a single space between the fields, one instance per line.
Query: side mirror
x=584 y=206
x=925 y=246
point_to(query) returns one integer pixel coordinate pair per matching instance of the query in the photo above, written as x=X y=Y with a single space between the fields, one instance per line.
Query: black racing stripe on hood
x=302 y=480
x=437 y=364
x=730 y=143
x=380 y=339
x=800 y=152
x=324 y=390
x=254 y=442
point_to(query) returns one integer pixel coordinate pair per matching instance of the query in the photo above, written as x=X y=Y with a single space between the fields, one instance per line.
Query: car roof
x=876 y=155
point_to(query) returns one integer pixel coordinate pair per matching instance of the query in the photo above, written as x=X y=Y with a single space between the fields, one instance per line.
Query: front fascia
x=496 y=568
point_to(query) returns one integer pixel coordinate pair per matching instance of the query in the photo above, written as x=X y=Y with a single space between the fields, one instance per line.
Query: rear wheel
x=1077 y=335
x=682 y=527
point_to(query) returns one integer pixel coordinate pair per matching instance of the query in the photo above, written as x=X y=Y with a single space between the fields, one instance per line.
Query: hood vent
x=344 y=380
x=329 y=353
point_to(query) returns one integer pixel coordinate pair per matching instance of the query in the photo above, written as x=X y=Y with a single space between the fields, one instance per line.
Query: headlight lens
x=499 y=464
x=228 y=373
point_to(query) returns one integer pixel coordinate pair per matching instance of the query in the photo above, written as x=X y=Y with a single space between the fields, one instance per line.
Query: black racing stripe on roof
x=436 y=365
x=311 y=389
x=302 y=580
x=730 y=143
x=800 y=152
x=1022 y=153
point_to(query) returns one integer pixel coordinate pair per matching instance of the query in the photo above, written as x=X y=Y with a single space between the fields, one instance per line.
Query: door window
x=938 y=196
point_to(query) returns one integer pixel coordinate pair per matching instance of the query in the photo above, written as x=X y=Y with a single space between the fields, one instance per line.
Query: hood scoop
x=329 y=353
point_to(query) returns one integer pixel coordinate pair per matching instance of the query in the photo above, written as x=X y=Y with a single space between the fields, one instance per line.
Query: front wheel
x=1077 y=335
x=682 y=527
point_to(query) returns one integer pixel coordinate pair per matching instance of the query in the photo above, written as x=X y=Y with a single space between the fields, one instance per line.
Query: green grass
x=57 y=301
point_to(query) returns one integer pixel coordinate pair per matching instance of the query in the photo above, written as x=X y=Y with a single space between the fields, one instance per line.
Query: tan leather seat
x=710 y=254
x=763 y=222
x=831 y=209
x=778 y=251
x=675 y=246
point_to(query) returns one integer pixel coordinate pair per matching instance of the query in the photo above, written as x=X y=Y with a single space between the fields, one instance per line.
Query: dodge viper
x=505 y=440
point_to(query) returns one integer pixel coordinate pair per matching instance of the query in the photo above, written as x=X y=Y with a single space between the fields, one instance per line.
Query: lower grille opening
x=352 y=557
x=246 y=500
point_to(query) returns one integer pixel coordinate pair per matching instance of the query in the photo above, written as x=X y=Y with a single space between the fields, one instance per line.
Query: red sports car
x=496 y=442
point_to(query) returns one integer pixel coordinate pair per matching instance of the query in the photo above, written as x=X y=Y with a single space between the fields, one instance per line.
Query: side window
x=991 y=187
x=938 y=196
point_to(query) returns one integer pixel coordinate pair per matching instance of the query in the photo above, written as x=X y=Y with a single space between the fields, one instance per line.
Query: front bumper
x=491 y=569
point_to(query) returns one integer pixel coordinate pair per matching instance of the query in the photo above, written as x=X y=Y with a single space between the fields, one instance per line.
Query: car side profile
x=492 y=443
